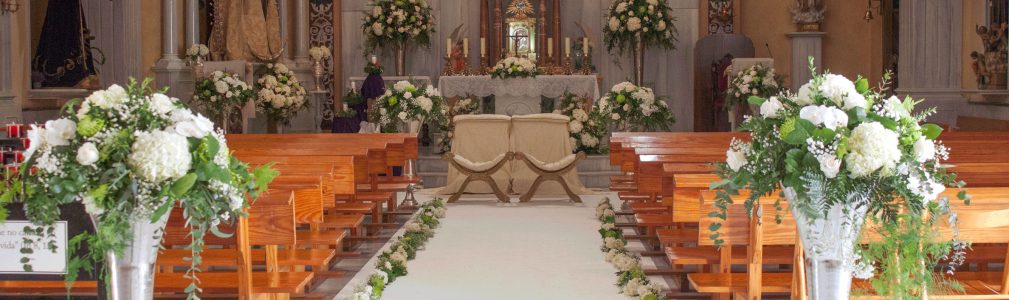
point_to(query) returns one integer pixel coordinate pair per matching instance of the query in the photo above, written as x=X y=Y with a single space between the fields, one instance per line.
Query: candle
x=550 y=47
x=353 y=86
x=483 y=47
x=345 y=107
x=567 y=47
x=374 y=59
x=448 y=47
x=13 y=130
x=465 y=47
x=585 y=46
x=26 y=142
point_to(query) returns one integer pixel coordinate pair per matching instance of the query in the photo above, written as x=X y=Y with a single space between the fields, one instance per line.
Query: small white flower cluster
x=279 y=93
x=757 y=80
x=398 y=21
x=514 y=67
x=197 y=51
x=319 y=53
x=625 y=262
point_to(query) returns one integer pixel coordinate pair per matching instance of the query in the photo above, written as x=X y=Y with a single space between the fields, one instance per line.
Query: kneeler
x=481 y=171
x=550 y=171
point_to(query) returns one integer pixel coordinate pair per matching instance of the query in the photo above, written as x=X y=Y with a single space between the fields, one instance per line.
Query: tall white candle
x=353 y=86
x=567 y=47
x=448 y=47
x=585 y=46
x=483 y=47
x=374 y=59
x=550 y=47
x=465 y=47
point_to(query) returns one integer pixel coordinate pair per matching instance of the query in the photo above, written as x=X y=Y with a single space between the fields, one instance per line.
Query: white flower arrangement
x=392 y=262
x=319 y=53
x=837 y=142
x=130 y=155
x=514 y=67
x=649 y=21
x=398 y=22
x=634 y=108
x=757 y=80
x=406 y=102
x=220 y=92
x=197 y=51
x=587 y=126
x=464 y=106
x=279 y=94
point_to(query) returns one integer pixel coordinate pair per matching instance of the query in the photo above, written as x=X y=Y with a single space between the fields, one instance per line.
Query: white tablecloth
x=519 y=96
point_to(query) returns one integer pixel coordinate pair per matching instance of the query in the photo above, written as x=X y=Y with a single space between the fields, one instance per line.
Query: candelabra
x=568 y=66
x=482 y=68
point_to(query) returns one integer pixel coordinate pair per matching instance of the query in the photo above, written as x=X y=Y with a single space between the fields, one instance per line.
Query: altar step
x=594 y=171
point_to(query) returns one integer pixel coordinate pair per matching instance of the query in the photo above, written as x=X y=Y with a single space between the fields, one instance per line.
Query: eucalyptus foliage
x=130 y=156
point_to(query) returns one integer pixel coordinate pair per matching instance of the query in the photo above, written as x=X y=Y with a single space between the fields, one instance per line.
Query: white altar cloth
x=519 y=96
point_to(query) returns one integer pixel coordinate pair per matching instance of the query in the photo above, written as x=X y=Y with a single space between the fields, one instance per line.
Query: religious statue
x=457 y=55
x=990 y=66
x=808 y=14
x=246 y=30
x=64 y=54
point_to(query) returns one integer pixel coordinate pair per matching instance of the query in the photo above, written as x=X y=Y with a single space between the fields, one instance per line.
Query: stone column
x=192 y=23
x=804 y=46
x=930 y=64
x=301 y=42
x=284 y=28
x=169 y=27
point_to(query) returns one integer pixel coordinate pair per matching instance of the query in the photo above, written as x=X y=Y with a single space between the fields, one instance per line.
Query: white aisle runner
x=537 y=250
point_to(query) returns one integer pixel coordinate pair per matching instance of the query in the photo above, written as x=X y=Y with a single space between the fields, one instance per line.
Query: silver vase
x=197 y=68
x=639 y=62
x=131 y=274
x=318 y=72
x=828 y=243
x=401 y=60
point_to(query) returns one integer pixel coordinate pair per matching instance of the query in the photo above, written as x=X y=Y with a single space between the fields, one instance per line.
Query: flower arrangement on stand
x=220 y=93
x=318 y=54
x=757 y=80
x=197 y=52
x=279 y=95
x=587 y=127
x=515 y=67
x=634 y=108
x=465 y=106
x=843 y=155
x=130 y=155
x=637 y=24
x=630 y=277
x=404 y=104
x=391 y=264
x=397 y=24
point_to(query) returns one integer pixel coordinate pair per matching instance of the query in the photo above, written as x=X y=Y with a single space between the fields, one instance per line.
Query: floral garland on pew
x=630 y=277
x=465 y=106
x=391 y=263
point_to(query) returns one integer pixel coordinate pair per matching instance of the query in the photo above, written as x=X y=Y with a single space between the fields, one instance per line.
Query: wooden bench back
x=735 y=229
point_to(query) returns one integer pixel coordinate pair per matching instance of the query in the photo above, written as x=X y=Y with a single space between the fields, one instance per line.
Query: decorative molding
x=322 y=34
x=721 y=16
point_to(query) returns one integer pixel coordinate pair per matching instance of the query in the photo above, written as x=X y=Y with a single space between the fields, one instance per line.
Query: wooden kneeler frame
x=484 y=176
x=544 y=175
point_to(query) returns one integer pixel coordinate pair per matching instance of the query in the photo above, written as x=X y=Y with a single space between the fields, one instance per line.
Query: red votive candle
x=13 y=130
x=26 y=143
x=19 y=156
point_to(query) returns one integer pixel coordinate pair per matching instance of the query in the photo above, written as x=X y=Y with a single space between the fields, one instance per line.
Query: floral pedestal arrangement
x=407 y=104
x=514 y=67
x=396 y=24
x=634 y=108
x=220 y=93
x=844 y=157
x=279 y=95
x=635 y=25
x=130 y=156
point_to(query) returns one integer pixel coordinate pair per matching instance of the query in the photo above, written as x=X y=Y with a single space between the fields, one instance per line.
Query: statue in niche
x=246 y=30
x=63 y=57
x=457 y=55
x=990 y=66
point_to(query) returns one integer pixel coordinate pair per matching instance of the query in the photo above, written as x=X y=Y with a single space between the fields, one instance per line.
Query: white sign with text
x=43 y=260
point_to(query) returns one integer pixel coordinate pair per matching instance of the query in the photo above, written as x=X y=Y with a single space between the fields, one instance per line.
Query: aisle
x=539 y=250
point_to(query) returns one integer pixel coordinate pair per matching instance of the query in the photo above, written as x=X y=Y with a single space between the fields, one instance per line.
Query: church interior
x=504 y=149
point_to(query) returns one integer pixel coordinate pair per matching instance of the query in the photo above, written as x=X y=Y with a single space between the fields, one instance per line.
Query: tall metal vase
x=639 y=62
x=131 y=274
x=828 y=243
x=401 y=59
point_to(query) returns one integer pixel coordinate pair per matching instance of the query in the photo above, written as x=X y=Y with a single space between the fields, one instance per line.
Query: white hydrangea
x=424 y=103
x=160 y=155
x=624 y=262
x=924 y=150
x=631 y=288
x=633 y=24
x=836 y=88
x=771 y=108
x=872 y=147
x=403 y=85
x=575 y=126
x=805 y=96
x=588 y=140
x=580 y=115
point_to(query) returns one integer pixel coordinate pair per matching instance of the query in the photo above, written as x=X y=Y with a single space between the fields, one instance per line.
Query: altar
x=519 y=96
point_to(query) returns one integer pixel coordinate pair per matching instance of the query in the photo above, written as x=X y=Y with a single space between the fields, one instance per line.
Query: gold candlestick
x=447 y=70
x=567 y=66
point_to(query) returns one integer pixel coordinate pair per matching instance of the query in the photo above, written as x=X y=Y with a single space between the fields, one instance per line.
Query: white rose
x=829 y=165
x=37 y=136
x=87 y=154
x=770 y=108
x=161 y=104
x=735 y=159
x=854 y=100
x=924 y=150
x=221 y=87
x=60 y=132
x=614 y=24
x=615 y=116
x=829 y=117
x=836 y=87
x=805 y=96
x=575 y=126
x=402 y=115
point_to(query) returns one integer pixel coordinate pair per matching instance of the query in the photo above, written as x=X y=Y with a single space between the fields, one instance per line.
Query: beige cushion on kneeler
x=479 y=138
x=545 y=138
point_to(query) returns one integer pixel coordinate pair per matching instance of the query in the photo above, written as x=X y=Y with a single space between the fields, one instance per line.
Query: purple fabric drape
x=372 y=88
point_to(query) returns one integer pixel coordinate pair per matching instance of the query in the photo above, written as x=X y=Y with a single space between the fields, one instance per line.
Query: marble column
x=169 y=25
x=929 y=65
x=804 y=46
x=301 y=42
x=284 y=30
x=192 y=23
